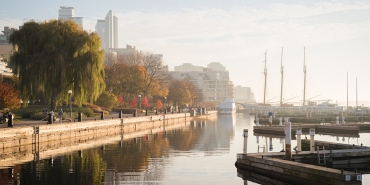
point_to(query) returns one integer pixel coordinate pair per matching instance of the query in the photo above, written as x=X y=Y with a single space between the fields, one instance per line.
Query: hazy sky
x=236 y=33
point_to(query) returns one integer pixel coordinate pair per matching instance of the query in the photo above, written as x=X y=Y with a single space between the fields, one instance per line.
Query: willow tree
x=55 y=57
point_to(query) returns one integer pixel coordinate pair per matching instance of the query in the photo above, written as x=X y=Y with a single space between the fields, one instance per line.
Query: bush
x=28 y=114
x=38 y=116
x=107 y=100
x=88 y=112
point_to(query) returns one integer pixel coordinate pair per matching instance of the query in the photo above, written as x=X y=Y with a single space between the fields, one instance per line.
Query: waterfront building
x=4 y=69
x=243 y=95
x=213 y=81
x=188 y=67
x=68 y=13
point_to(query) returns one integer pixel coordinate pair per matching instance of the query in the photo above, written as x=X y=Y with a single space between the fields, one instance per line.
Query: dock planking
x=294 y=172
x=345 y=130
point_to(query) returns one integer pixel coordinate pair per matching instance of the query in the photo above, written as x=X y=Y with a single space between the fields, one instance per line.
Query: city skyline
x=236 y=34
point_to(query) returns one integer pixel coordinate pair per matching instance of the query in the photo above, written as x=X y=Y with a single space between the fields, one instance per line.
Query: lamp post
x=165 y=100
x=139 y=101
x=70 y=102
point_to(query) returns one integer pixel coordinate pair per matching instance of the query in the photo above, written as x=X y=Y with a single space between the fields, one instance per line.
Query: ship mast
x=347 y=95
x=304 y=71
x=265 y=73
x=282 y=78
x=356 y=95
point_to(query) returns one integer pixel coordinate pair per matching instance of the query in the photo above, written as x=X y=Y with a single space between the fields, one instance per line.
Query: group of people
x=60 y=114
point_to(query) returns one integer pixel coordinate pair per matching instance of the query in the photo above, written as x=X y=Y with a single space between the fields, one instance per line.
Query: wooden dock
x=351 y=130
x=274 y=166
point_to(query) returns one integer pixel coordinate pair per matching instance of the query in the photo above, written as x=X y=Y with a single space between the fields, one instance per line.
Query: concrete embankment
x=26 y=143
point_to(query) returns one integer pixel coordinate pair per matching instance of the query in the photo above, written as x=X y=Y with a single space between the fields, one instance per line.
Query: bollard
x=245 y=135
x=79 y=118
x=288 y=146
x=298 y=132
x=50 y=118
x=337 y=120
x=10 y=120
x=270 y=148
x=134 y=114
x=146 y=112
x=165 y=111
x=120 y=114
x=312 y=140
x=270 y=120
x=343 y=122
x=280 y=121
x=102 y=116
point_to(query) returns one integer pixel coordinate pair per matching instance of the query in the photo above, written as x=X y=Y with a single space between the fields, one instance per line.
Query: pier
x=312 y=161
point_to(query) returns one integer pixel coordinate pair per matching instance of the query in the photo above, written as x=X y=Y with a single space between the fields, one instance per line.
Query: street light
x=70 y=102
x=139 y=101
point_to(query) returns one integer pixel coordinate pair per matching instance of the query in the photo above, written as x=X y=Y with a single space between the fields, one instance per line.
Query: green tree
x=107 y=100
x=56 y=56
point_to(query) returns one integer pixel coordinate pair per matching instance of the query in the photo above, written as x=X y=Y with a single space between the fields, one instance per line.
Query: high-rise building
x=107 y=29
x=68 y=13
x=100 y=30
x=111 y=31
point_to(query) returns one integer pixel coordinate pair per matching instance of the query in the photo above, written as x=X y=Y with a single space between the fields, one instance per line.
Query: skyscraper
x=111 y=31
x=107 y=29
x=100 y=30
x=68 y=13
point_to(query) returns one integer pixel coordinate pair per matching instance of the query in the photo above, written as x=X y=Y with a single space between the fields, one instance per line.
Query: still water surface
x=203 y=153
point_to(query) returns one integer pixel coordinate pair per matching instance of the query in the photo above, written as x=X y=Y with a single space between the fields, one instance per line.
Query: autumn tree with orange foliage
x=158 y=104
x=9 y=96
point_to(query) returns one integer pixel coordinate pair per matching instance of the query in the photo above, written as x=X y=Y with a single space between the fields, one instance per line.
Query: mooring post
x=343 y=122
x=337 y=120
x=271 y=147
x=270 y=120
x=245 y=135
x=298 y=132
x=312 y=140
x=280 y=121
x=288 y=147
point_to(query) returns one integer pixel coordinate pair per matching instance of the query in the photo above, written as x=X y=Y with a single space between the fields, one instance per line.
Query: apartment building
x=213 y=80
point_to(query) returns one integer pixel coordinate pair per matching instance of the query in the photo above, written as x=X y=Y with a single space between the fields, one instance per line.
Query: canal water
x=203 y=152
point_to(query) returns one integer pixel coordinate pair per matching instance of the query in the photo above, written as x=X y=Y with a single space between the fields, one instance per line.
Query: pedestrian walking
x=60 y=114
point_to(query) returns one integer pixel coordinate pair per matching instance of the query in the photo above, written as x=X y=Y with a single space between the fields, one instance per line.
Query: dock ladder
x=321 y=159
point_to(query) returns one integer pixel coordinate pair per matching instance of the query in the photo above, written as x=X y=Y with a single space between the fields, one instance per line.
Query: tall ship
x=228 y=106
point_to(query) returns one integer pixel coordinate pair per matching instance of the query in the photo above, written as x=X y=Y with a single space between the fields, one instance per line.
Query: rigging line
x=271 y=88
x=313 y=88
x=255 y=87
x=290 y=87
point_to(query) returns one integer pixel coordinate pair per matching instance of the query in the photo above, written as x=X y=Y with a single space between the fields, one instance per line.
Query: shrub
x=107 y=100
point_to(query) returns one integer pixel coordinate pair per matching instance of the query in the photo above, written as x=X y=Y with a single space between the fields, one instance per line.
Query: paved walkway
x=29 y=122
